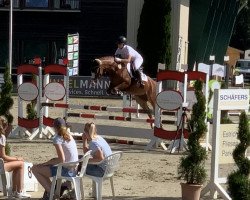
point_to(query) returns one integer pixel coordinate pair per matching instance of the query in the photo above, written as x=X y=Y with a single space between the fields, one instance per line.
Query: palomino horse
x=120 y=80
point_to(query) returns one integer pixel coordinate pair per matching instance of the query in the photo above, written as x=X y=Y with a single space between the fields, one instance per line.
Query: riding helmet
x=121 y=40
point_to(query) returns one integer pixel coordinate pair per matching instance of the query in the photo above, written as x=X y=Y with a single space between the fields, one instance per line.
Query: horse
x=120 y=80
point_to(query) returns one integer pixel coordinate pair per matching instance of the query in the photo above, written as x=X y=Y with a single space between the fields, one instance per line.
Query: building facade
x=40 y=28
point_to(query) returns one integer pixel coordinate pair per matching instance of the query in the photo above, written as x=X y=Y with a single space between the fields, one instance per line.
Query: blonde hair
x=3 y=123
x=62 y=131
x=90 y=128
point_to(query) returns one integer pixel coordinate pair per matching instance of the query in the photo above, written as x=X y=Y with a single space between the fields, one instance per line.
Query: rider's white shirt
x=127 y=50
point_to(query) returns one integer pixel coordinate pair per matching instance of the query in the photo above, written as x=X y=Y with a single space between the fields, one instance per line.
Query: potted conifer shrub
x=238 y=180
x=30 y=109
x=6 y=100
x=191 y=168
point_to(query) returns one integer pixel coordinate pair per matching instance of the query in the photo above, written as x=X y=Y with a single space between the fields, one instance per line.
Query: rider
x=129 y=56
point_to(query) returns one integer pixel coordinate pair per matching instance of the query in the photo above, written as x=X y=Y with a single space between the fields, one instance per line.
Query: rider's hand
x=118 y=59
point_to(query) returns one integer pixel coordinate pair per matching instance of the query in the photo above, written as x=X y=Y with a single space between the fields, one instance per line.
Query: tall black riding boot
x=139 y=75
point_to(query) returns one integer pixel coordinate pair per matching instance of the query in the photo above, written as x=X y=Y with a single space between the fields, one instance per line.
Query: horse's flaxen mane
x=107 y=58
x=106 y=62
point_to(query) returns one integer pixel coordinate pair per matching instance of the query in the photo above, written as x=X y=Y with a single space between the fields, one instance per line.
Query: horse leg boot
x=139 y=76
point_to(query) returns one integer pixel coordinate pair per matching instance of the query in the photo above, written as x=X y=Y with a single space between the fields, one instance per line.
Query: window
x=67 y=4
x=32 y=49
x=71 y=5
x=36 y=3
x=4 y=53
x=6 y=3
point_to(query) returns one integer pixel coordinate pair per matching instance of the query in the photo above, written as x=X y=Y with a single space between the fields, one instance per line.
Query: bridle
x=98 y=70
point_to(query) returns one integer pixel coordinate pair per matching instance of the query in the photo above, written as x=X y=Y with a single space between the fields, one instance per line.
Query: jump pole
x=128 y=101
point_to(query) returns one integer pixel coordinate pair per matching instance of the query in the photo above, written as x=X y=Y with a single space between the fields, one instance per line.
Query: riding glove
x=118 y=59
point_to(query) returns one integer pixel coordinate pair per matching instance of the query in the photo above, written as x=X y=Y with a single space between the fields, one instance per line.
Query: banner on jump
x=82 y=86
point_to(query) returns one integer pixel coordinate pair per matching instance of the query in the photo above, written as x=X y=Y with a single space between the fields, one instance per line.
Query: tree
x=241 y=34
x=154 y=34
x=238 y=180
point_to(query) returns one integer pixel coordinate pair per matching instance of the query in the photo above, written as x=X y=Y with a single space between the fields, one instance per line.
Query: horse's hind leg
x=142 y=101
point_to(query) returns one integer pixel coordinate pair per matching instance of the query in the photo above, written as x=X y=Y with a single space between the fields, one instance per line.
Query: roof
x=232 y=48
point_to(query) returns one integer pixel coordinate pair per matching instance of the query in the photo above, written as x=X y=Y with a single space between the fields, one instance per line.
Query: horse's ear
x=98 y=61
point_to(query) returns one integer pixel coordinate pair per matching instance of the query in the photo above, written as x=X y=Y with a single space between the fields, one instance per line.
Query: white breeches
x=137 y=63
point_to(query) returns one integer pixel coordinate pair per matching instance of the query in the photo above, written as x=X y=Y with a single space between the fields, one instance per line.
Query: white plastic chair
x=77 y=180
x=112 y=164
x=5 y=178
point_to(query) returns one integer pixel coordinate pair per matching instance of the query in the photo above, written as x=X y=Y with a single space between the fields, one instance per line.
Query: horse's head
x=103 y=67
x=96 y=70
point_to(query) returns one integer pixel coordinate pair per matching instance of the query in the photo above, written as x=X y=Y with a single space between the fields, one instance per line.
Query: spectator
x=100 y=149
x=12 y=164
x=66 y=149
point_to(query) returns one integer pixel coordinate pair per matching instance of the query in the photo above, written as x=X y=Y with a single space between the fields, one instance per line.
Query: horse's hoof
x=152 y=125
x=119 y=93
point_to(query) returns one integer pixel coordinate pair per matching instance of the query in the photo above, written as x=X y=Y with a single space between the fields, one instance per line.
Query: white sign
x=202 y=67
x=54 y=91
x=27 y=91
x=169 y=100
x=30 y=181
x=218 y=70
x=228 y=142
x=233 y=99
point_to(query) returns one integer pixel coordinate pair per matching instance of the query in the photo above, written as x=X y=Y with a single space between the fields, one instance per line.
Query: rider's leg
x=140 y=74
x=138 y=70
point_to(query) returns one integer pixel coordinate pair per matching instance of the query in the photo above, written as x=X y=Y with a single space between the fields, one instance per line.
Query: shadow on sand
x=142 y=198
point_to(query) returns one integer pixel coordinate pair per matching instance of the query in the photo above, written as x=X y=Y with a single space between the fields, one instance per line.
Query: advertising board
x=82 y=86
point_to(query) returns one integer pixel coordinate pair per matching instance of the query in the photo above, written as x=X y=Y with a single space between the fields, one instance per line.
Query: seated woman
x=12 y=164
x=66 y=149
x=100 y=149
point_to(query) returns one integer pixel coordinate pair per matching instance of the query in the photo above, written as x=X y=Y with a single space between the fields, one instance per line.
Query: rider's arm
x=126 y=60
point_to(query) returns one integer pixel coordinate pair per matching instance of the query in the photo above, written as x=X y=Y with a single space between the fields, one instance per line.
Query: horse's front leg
x=122 y=86
x=111 y=88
